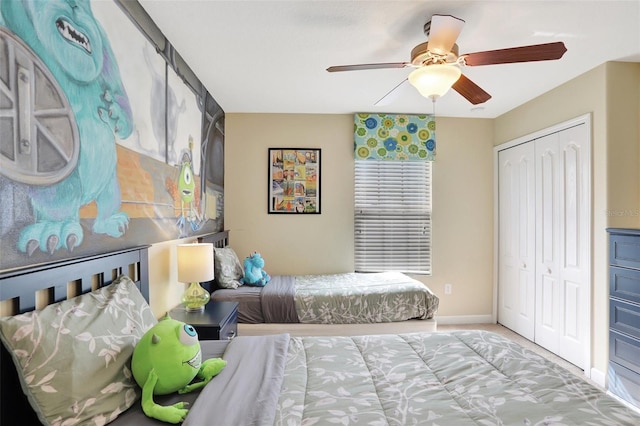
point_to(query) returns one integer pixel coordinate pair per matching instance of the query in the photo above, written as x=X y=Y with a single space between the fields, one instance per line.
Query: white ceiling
x=271 y=56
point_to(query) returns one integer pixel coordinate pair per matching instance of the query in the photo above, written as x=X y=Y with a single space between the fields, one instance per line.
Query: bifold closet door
x=516 y=246
x=562 y=232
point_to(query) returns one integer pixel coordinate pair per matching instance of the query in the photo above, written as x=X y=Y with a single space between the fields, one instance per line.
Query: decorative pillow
x=227 y=267
x=74 y=357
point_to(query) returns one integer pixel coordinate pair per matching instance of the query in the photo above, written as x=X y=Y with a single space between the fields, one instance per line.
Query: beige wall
x=610 y=93
x=298 y=244
x=623 y=146
x=290 y=244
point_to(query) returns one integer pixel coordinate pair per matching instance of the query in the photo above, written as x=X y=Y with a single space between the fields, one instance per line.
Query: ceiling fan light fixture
x=433 y=81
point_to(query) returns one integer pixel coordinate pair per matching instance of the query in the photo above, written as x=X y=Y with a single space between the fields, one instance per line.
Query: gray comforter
x=458 y=378
x=278 y=300
x=246 y=392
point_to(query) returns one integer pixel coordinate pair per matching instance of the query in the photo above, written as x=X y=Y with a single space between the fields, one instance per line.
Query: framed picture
x=294 y=180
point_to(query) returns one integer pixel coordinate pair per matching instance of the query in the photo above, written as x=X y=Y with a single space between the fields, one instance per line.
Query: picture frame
x=294 y=181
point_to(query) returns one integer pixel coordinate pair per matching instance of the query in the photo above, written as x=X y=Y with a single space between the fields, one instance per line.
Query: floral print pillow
x=227 y=267
x=74 y=357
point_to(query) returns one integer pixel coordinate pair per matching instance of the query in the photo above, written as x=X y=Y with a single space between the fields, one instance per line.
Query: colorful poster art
x=294 y=180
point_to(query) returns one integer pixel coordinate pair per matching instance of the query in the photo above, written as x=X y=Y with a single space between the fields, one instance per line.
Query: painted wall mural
x=102 y=144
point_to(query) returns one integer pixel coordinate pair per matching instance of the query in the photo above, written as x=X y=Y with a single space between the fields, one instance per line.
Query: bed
x=347 y=298
x=24 y=290
x=454 y=378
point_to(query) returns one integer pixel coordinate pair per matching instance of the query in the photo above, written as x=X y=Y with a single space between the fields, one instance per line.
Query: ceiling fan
x=437 y=62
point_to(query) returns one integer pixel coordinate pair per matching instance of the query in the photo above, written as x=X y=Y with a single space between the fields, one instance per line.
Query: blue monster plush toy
x=253 y=273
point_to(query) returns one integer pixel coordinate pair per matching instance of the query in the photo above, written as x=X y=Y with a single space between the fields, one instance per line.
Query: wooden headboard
x=35 y=287
x=218 y=239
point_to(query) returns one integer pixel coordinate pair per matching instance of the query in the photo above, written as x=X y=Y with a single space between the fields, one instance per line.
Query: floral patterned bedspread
x=353 y=298
x=458 y=378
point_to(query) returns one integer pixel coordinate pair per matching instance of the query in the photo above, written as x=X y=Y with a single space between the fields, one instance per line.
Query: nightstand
x=218 y=321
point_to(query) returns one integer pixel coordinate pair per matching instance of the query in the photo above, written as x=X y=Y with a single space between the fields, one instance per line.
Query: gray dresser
x=624 y=314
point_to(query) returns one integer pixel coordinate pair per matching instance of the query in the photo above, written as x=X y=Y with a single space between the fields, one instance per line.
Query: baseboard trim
x=464 y=319
x=598 y=377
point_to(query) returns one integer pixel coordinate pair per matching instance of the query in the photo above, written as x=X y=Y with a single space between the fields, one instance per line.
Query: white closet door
x=548 y=196
x=575 y=268
x=516 y=279
x=544 y=239
x=562 y=240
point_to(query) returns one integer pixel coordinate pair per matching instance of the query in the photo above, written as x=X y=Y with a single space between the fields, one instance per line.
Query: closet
x=544 y=227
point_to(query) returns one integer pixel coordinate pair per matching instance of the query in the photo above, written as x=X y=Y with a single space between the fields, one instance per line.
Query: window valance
x=395 y=137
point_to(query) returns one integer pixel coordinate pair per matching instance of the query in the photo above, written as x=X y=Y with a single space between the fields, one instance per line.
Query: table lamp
x=195 y=265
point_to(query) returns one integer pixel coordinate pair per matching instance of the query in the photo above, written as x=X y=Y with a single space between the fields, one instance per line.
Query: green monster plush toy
x=167 y=359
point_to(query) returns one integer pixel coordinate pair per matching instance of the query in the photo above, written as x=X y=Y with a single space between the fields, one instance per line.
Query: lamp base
x=195 y=297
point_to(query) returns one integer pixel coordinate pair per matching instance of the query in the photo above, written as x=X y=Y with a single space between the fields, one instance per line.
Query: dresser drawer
x=624 y=250
x=624 y=283
x=624 y=350
x=624 y=317
x=624 y=383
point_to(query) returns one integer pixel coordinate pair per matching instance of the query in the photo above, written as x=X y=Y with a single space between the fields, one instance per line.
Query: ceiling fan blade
x=470 y=91
x=391 y=95
x=536 y=52
x=443 y=33
x=368 y=66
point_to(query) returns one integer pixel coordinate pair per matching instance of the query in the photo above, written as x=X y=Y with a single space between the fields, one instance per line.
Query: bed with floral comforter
x=457 y=378
x=346 y=298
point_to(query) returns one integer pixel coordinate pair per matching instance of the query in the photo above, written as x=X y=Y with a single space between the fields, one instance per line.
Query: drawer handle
x=231 y=335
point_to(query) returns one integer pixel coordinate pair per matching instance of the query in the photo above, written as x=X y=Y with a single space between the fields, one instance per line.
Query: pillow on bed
x=227 y=267
x=74 y=357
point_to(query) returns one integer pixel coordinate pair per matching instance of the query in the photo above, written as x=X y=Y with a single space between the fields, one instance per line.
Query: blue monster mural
x=66 y=37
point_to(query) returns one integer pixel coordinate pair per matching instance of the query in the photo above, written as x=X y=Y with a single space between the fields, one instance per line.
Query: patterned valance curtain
x=395 y=137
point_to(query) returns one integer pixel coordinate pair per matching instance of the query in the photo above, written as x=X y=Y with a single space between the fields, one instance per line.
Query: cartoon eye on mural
x=93 y=135
x=184 y=191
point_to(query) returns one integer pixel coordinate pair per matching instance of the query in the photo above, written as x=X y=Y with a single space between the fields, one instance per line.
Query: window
x=393 y=216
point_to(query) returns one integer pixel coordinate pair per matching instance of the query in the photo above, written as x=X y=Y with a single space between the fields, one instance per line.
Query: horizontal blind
x=393 y=216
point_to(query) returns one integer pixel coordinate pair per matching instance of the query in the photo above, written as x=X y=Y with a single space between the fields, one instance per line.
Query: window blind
x=393 y=216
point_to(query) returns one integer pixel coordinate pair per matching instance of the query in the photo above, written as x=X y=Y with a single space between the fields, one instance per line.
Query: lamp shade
x=433 y=81
x=195 y=262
